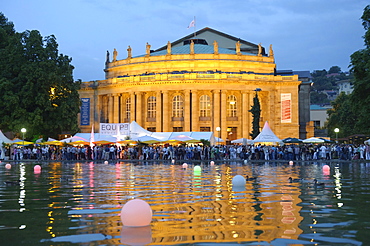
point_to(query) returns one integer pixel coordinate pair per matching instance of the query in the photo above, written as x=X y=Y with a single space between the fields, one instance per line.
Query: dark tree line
x=36 y=84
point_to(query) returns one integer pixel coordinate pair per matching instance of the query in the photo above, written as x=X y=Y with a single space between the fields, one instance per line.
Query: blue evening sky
x=305 y=34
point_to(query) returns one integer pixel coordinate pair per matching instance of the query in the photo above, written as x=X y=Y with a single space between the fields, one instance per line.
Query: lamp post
x=23 y=130
x=218 y=129
x=336 y=130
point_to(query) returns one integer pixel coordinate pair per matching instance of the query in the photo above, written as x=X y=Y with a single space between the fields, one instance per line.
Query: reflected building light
x=340 y=204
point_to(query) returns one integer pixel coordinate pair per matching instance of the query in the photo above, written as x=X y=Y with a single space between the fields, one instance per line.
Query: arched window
x=152 y=103
x=231 y=106
x=128 y=109
x=205 y=106
x=177 y=106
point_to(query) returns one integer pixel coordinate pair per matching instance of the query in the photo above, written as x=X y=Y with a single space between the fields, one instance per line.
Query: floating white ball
x=8 y=166
x=105 y=162
x=136 y=213
x=238 y=180
x=212 y=163
x=291 y=163
x=197 y=169
x=245 y=161
x=185 y=165
x=173 y=161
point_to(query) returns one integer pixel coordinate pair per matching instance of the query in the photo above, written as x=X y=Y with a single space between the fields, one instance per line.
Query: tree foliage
x=352 y=113
x=38 y=91
x=256 y=114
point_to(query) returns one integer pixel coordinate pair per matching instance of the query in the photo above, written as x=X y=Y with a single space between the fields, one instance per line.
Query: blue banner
x=85 y=112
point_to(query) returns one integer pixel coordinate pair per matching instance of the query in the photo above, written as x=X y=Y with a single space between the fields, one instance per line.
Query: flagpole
x=194 y=27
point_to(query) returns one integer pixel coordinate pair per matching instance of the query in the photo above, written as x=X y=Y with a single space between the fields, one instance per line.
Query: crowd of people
x=193 y=152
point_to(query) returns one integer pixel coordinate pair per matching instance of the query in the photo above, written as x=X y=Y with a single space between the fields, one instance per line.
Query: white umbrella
x=313 y=140
x=243 y=141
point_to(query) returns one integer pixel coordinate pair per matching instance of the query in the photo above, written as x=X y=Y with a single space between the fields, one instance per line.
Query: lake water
x=80 y=203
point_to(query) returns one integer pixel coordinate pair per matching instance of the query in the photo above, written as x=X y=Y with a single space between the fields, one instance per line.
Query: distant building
x=319 y=116
x=345 y=86
x=202 y=82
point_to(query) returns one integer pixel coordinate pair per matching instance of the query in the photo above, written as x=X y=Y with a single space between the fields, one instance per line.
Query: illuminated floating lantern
x=136 y=213
x=185 y=165
x=238 y=180
x=136 y=235
x=212 y=163
x=197 y=169
x=37 y=169
x=8 y=166
x=105 y=162
x=326 y=170
x=291 y=163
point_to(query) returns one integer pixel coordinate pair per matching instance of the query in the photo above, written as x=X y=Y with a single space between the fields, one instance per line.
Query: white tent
x=3 y=139
x=367 y=141
x=243 y=141
x=313 y=140
x=266 y=136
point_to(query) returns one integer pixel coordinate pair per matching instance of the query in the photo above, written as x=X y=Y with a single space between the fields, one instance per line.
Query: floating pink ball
x=185 y=165
x=8 y=166
x=136 y=213
x=37 y=169
x=326 y=170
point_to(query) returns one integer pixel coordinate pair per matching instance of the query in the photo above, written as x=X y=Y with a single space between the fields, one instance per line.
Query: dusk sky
x=305 y=34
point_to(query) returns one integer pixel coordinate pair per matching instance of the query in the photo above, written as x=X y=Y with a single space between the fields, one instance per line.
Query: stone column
x=110 y=109
x=140 y=108
x=216 y=110
x=166 y=112
x=187 y=109
x=122 y=108
x=133 y=107
x=195 y=111
x=245 y=116
x=158 y=114
x=115 y=108
x=223 y=116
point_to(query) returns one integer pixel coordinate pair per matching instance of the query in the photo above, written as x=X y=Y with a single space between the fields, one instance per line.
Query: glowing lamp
x=136 y=213
x=238 y=180
x=185 y=165
x=136 y=235
x=197 y=169
x=8 y=166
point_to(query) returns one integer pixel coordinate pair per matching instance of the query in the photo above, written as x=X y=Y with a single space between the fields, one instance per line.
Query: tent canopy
x=243 y=141
x=266 y=136
x=313 y=140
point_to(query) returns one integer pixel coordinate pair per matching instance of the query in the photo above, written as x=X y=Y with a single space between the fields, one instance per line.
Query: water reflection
x=81 y=202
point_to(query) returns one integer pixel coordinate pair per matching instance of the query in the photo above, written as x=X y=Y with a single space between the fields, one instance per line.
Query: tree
x=360 y=67
x=334 y=69
x=341 y=116
x=38 y=91
x=256 y=114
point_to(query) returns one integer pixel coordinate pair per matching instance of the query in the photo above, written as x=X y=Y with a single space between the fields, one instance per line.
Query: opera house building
x=205 y=81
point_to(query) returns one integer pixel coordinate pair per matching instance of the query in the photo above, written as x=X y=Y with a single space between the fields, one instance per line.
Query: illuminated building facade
x=198 y=83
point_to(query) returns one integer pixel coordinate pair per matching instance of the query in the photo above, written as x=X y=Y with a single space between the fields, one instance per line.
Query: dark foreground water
x=80 y=204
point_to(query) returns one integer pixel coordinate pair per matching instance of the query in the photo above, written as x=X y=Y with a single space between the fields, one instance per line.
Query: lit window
x=177 y=106
x=231 y=106
x=152 y=102
x=205 y=106
x=128 y=109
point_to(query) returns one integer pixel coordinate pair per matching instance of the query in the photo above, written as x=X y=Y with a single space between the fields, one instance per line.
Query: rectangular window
x=151 y=129
x=177 y=129
x=205 y=129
